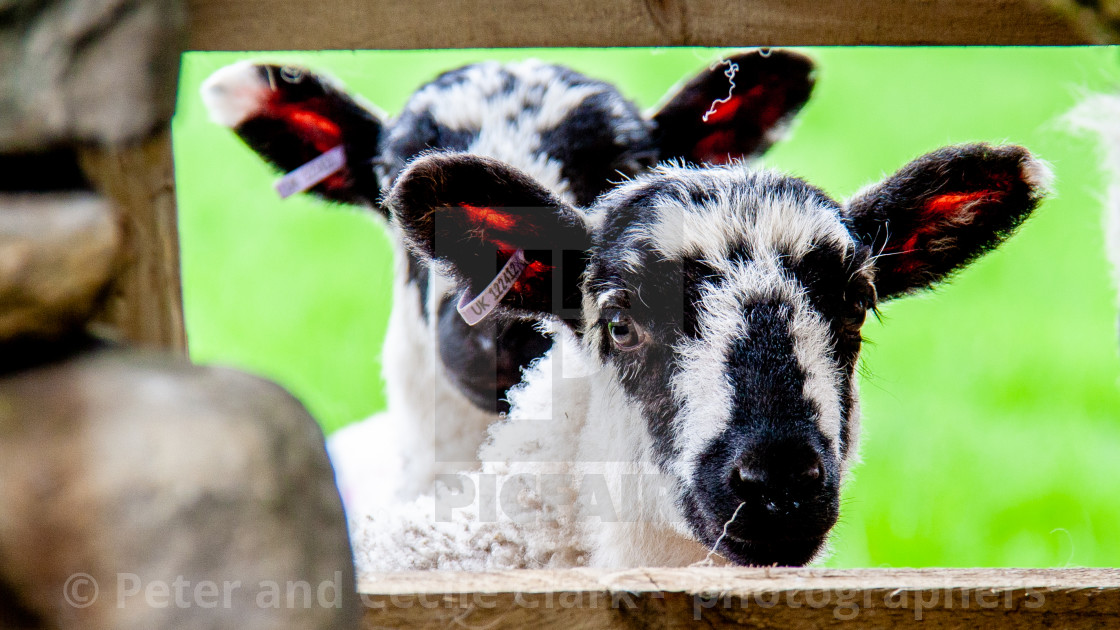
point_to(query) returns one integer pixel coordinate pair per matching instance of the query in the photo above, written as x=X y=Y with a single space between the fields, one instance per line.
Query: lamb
x=1100 y=114
x=572 y=133
x=699 y=400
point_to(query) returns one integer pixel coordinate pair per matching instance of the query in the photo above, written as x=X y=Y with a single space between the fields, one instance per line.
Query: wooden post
x=146 y=304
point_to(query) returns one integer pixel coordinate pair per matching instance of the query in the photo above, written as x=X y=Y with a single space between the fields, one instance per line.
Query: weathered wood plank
x=146 y=305
x=760 y=598
x=400 y=24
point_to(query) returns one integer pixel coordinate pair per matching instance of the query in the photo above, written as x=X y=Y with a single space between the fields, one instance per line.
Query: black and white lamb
x=447 y=381
x=699 y=400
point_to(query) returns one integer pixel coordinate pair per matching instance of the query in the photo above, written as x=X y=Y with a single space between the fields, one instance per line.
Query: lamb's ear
x=736 y=109
x=943 y=210
x=290 y=116
x=471 y=214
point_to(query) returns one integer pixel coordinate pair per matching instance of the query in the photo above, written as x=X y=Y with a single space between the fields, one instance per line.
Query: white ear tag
x=311 y=173
x=476 y=310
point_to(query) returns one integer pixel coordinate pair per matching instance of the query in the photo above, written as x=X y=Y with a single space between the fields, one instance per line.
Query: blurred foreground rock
x=58 y=253
x=100 y=71
x=137 y=491
x=140 y=473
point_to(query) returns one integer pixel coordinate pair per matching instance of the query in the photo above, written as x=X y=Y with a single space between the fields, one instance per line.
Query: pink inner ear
x=488 y=218
x=726 y=110
x=948 y=206
x=717 y=147
x=532 y=274
x=951 y=203
x=725 y=142
x=322 y=133
x=773 y=108
x=308 y=124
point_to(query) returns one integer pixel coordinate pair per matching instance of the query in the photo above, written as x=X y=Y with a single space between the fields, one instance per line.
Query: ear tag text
x=475 y=310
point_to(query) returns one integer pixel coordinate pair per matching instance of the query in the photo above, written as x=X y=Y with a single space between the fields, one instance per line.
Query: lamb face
x=572 y=133
x=726 y=304
x=729 y=302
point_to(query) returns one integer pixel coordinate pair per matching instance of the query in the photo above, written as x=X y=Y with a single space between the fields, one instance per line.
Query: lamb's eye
x=291 y=74
x=854 y=315
x=624 y=333
x=857 y=300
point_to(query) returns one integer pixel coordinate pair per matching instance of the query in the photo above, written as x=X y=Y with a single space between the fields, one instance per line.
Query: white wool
x=1100 y=114
x=567 y=480
x=430 y=429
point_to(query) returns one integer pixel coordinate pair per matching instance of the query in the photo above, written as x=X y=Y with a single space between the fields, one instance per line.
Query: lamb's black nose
x=779 y=478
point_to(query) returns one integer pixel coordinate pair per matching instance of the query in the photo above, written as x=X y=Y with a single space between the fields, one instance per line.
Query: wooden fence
x=147 y=307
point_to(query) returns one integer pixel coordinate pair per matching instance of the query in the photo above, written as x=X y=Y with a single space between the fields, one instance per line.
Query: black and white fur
x=447 y=381
x=707 y=327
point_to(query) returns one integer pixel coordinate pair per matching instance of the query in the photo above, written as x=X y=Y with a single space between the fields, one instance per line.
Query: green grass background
x=991 y=430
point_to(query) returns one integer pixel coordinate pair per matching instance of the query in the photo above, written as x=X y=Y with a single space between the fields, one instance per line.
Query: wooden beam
x=400 y=24
x=146 y=304
x=732 y=597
